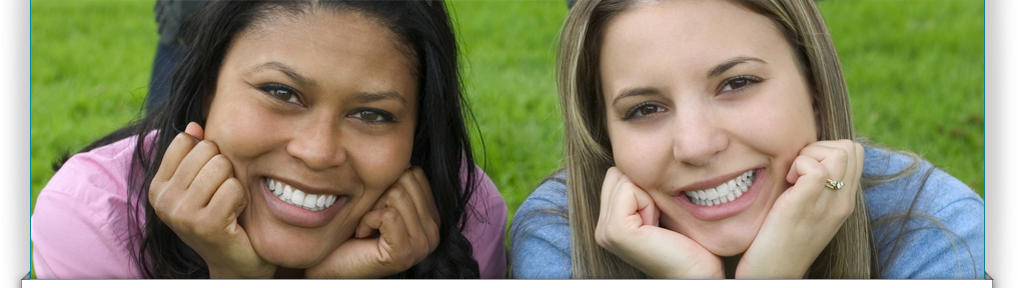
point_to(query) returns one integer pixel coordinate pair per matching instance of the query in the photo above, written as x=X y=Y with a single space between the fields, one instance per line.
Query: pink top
x=80 y=223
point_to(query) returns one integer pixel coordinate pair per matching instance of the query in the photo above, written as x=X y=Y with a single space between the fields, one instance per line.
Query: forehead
x=700 y=32
x=330 y=47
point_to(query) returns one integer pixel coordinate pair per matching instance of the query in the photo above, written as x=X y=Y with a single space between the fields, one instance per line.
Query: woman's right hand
x=196 y=194
x=628 y=227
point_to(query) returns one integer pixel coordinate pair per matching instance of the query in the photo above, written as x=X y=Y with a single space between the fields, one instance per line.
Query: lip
x=723 y=210
x=296 y=216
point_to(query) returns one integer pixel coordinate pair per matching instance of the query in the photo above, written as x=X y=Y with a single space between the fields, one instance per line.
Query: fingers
x=179 y=147
x=625 y=208
x=411 y=202
x=416 y=184
x=628 y=227
x=808 y=215
x=230 y=197
x=195 y=131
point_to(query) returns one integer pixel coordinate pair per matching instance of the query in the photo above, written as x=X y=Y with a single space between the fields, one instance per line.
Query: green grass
x=914 y=68
x=90 y=73
x=915 y=73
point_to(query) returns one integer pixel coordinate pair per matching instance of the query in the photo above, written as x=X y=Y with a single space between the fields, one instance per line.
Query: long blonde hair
x=851 y=254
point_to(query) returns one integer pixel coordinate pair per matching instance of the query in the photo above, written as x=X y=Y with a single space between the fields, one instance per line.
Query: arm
x=485 y=227
x=80 y=222
x=943 y=239
x=540 y=235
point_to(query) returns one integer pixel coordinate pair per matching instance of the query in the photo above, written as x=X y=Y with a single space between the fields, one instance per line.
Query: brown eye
x=373 y=116
x=643 y=110
x=281 y=92
x=739 y=83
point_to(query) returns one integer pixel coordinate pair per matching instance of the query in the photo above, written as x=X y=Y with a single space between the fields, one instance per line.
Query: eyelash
x=276 y=87
x=636 y=109
x=386 y=116
x=294 y=97
x=751 y=80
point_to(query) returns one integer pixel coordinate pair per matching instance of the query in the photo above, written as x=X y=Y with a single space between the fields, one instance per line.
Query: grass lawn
x=914 y=69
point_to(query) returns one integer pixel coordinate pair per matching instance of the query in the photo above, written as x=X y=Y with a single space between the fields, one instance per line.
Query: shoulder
x=540 y=233
x=927 y=224
x=80 y=223
x=486 y=215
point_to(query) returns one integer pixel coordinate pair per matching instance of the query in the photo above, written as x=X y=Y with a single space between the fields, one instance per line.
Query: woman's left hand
x=406 y=220
x=806 y=217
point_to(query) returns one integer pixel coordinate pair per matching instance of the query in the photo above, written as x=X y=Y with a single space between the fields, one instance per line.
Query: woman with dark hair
x=313 y=139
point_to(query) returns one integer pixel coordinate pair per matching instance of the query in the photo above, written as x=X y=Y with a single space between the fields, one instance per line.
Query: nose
x=698 y=137
x=318 y=144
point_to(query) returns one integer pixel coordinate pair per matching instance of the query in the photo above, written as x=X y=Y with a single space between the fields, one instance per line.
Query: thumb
x=195 y=131
x=647 y=210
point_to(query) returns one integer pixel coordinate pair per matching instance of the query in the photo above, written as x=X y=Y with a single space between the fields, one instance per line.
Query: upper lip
x=712 y=182
x=299 y=185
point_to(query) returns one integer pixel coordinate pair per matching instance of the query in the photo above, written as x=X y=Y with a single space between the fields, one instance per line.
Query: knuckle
x=207 y=145
x=390 y=214
x=184 y=138
x=399 y=196
x=222 y=162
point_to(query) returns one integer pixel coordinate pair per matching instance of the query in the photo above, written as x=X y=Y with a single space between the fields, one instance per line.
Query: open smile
x=724 y=193
x=296 y=197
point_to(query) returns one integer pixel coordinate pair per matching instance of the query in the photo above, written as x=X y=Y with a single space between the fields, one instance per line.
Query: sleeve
x=485 y=227
x=540 y=235
x=944 y=240
x=77 y=228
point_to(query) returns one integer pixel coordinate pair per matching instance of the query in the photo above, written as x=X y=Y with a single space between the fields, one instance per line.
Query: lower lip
x=297 y=216
x=724 y=210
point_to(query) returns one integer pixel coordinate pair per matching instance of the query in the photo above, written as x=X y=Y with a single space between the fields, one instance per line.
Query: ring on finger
x=834 y=185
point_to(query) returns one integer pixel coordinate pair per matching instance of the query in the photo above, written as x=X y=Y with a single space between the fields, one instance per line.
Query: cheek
x=380 y=160
x=240 y=130
x=641 y=154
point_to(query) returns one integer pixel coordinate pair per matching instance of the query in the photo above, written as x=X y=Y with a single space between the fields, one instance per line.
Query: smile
x=295 y=197
x=725 y=192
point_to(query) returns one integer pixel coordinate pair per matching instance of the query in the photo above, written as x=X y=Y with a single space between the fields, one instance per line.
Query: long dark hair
x=441 y=144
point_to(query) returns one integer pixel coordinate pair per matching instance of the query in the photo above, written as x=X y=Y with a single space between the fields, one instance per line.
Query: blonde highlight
x=851 y=254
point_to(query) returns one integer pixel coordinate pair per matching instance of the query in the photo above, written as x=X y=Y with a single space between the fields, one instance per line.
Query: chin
x=726 y=246
x=290 y=247
x=727 y=251
x=293 y=257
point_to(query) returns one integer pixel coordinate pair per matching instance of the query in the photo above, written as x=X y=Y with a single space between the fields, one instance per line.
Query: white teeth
x=297 y=198
x=724 y=193
x=287 y=193
x=723 y=190
x=310 y=201
x=313 y=202
x=711 y=193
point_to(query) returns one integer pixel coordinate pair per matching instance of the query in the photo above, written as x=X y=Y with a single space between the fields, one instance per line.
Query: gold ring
x=834 y=185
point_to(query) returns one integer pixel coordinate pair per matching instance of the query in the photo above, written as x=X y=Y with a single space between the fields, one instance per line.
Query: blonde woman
x=714 y=139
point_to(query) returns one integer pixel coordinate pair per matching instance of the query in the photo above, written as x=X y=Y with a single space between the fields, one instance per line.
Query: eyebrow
x=308 y=82
x=717 y=70
x=731 y=63
x=300 y=79
x=379 y=96
x=635 y=92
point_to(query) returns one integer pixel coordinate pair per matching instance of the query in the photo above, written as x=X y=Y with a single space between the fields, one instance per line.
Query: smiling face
x=321 y=107
x=706 y=110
